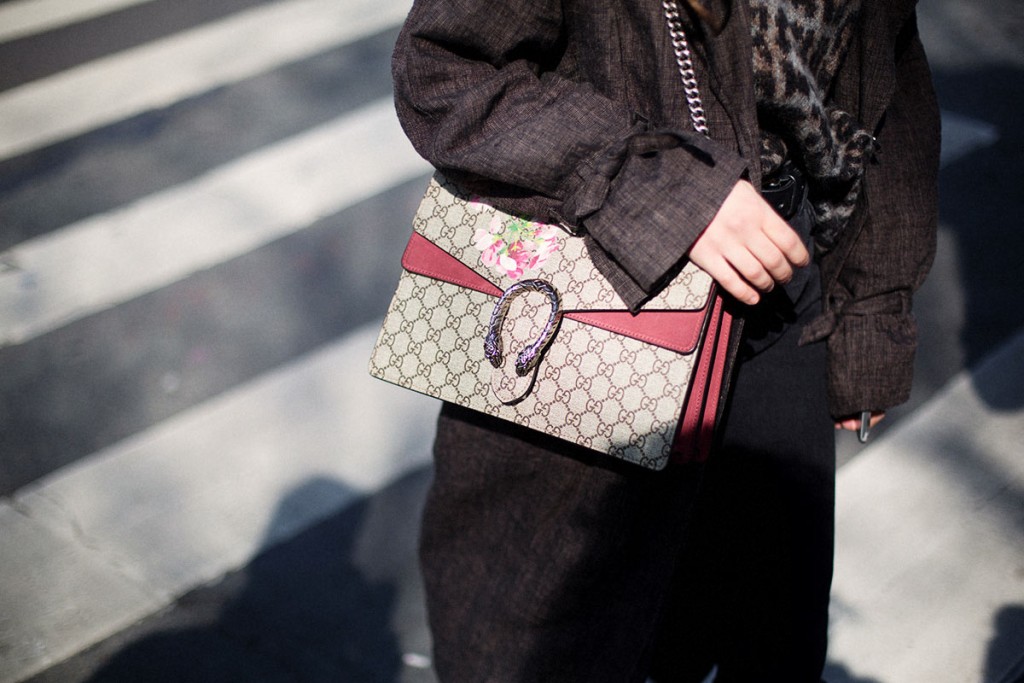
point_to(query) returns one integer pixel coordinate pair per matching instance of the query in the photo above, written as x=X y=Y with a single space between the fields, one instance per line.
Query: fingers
x=786 y=240
x=849 y=424
x=852 y=424
x=727 y=278
x=764 y=262
x=747 y=247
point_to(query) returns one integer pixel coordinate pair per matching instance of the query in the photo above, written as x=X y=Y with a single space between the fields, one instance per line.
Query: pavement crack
x=56 y=516
x=9 y=264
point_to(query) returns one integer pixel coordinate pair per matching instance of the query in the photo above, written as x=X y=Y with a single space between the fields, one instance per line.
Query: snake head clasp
x=528 y=358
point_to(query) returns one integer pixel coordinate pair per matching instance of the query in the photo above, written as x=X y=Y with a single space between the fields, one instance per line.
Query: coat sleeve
x=874 y=336
x=483 y=89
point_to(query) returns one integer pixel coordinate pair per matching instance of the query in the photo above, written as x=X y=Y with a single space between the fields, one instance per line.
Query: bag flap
x=674 y=330
x=504 y=249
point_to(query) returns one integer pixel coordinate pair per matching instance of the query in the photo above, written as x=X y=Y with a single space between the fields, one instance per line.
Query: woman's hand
x=747 y=247
x=851 y=423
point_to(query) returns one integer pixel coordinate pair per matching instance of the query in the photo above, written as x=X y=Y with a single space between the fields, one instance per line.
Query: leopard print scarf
x=798 y=48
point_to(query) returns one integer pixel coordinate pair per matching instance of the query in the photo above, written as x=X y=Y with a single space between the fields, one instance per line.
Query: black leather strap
x=785 y=190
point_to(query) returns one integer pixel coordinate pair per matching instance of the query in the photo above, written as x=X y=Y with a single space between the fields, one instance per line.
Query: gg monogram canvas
x=627 y=385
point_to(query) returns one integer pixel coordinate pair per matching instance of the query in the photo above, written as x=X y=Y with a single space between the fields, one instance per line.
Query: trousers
x=546 y=562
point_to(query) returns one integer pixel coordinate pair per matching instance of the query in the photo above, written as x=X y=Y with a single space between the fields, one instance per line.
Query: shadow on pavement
x=338 y=602
x=981 y=203
x=1004 y=663
x=838 y=673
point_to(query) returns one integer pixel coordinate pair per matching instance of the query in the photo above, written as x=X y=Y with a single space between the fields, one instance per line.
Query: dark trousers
x=546 y=562
x=751 y=590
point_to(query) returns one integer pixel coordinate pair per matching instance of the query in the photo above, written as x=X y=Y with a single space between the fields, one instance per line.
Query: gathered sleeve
x=871 y=332
x=497 y=91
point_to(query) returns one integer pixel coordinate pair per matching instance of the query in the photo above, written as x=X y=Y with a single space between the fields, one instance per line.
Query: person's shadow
x=981 y=206
x=322 y=606
x=836 y=672
x=1005 y=660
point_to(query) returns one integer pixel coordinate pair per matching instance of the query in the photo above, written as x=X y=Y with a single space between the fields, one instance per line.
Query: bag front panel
x=592 y=387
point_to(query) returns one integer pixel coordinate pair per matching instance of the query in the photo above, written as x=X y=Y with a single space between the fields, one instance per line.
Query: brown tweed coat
x=572 y=111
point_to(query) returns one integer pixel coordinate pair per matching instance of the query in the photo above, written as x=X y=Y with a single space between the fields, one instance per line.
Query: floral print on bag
x=516 y=246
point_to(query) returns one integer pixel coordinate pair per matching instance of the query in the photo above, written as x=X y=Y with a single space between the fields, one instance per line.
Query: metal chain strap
x=685 y=62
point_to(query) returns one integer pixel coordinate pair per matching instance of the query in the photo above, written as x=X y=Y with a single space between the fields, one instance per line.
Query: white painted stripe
x=962 y=135
x=111 y=258
x=200 y=494
x=21 y=18
x=163 y=72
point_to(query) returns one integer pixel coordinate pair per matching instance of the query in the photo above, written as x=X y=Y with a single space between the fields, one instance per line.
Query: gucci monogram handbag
x=510 y=317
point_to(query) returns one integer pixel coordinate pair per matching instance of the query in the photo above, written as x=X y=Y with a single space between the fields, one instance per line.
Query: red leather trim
x=423 y=257
x=707 y=426
x=677 y=331
x=693 y=435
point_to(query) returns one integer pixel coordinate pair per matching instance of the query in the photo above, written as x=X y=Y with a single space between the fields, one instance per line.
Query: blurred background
x=202 y=208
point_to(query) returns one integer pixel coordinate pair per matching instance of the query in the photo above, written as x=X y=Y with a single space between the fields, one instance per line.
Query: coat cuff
x=878 y=380
x=647 y=210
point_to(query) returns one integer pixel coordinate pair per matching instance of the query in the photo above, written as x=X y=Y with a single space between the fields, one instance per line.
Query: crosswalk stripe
x=21 y=18
x=124 y=162
x=198 y=495
x=160 y=353
x=163 y=72
x=962 y=135
x=101 y=261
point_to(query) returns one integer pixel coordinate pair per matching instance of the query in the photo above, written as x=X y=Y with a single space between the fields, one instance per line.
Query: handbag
x=510 y=317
